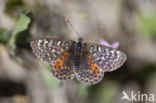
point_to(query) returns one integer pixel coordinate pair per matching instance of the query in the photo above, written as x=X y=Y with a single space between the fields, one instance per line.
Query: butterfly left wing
x=57 y=52
x=107 y=58
x=62 y=68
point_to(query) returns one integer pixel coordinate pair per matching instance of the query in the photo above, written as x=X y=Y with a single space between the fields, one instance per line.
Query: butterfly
x=76 y=59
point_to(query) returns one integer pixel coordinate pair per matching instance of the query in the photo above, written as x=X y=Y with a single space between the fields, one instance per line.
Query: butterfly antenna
x=68 y=21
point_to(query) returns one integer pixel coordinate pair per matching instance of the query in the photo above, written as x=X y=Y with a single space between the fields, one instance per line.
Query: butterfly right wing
x=89 y=72
x=86 y=70
x=107 y=58
x=50 y=49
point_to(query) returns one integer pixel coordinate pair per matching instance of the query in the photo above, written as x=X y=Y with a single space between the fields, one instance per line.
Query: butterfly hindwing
x=88 y=72
x=62 y=68
x=50 y=49
x=107 y=58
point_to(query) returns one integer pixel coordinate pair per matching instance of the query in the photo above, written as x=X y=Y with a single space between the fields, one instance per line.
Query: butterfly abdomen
x=77 y=55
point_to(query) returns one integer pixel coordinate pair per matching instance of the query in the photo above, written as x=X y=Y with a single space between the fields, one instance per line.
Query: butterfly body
x=78 y=53
x=85 y=61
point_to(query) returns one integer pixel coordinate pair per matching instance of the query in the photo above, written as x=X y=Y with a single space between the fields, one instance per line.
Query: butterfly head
x=80 y=40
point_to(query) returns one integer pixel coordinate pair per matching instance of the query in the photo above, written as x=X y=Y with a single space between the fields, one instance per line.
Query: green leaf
x=22 y=25
x=26 y=11
x=4 y=36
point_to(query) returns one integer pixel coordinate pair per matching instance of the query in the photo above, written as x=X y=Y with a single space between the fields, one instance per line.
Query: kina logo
x=137 y=96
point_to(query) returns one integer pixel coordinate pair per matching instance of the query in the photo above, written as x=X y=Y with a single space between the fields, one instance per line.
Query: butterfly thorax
x=79 y=44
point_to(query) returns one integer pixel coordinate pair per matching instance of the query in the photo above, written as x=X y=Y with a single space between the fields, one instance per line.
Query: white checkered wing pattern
x=50 y=49
x=107 y=58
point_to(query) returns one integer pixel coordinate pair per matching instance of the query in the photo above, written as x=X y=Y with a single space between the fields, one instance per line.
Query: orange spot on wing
x=66 y=53
x=94 y=67
x=59 y=64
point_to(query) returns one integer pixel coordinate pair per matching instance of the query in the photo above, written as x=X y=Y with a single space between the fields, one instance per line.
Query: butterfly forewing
x=107 y=58
x=50 y=49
